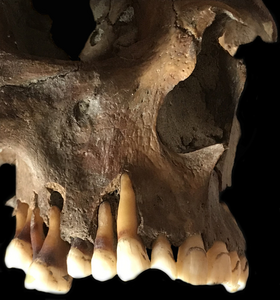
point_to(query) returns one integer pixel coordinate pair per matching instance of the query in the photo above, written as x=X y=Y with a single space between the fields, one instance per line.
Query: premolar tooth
x=79 y=258
x=19 y=251
x=132 y=258
x=162 y=257
x=244 y=273
x=48 y=272
x=192 y=264
x=104 y=259
x=233 y=286
x=219 y=264
x=37 y=232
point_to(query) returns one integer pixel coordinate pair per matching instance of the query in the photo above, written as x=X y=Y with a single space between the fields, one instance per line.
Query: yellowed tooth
x=162 y=257
x=79 y=258
x=19 y=251
x=244 y=273
x=219 y=264
x=48 y=272
x=104 y=259
x=37 y=232
x=232 y=286
x=132 y=258
x=192 y=264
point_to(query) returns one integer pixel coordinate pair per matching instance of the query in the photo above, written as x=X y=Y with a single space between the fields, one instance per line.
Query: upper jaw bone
x=131 y=253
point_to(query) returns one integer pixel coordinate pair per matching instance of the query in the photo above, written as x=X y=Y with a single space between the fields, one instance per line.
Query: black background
x=253 y=199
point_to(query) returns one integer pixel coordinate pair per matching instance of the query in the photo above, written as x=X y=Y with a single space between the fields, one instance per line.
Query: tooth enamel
x=162 y=257
x=233 y=286
x=104 y=259
x=192 y=264
x=19 y=251
x=219 y=264
x=48 y=272
x=36 y=232
x=79 y=258
x=244 y=273
x=132 y=258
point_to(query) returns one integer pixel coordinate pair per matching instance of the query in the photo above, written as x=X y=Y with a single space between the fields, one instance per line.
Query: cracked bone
x=132 y=258
x=192 y=263
x=79 y=258
x=48 y=271
x=104 y=259
x=162 y=257
x=19 y=252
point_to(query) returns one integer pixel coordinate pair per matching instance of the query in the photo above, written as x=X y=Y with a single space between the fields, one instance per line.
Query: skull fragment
x=130 y=147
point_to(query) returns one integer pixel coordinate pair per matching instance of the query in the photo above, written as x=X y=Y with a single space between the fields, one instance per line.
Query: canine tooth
x=219 y=264
x=19 y=251
x=132 y=258
x=48 y=272
x=104 y=259
x=162 y=257
x=192 y=264
x=244 y=273
x=79 y=257
x=232 y=286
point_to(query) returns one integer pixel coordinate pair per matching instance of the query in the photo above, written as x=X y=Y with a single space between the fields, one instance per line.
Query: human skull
x=151 y=105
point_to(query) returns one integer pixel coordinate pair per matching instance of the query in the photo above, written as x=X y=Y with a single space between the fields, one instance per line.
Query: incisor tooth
x=104 y=259
x=192 y=264
x=132 y=258
x=244 y=273
x=19 y=251
x=232 y=286
x=79 y=257
x=219 y=264
x=48 y=272
x=162 y=257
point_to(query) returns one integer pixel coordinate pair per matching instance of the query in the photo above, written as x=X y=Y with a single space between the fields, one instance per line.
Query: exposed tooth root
x=192 y=264
x=104 y=259
x=132 y=258
x=219 y=264
x=37 y=232
x=233 y=286
x=244 y=273
x=19 y=251
x=79 y=258
x=48 y=272
x=162 y=257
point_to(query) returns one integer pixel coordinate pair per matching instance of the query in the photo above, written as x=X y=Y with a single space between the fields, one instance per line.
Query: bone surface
x=104 y=259
x=162 y=257
x=48 y=272
x=132 y=258
x=192 y=263
x=19 y=252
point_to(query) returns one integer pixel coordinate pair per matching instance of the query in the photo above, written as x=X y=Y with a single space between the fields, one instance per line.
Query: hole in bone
x=8 y=182
x=56 y=199
x=195 y=113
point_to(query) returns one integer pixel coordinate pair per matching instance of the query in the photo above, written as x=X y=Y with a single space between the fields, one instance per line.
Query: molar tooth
x=192 y=264
x=162 y=257
x=244 y=273
x=19 y=251
x=104 y=259
x=132 y=258
x=48 y=271
x=79 y=257
x=219 y=264
x=233 y=286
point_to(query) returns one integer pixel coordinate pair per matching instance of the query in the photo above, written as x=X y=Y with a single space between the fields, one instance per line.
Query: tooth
x=36 y=232
x=79 y=257
x=192 y=264
x=48 y=271
x=19 y=251
x=219 y=264
x=232 y=286
x=162 y=257
x=132 y=258
x=244 y=273
x=104 y=259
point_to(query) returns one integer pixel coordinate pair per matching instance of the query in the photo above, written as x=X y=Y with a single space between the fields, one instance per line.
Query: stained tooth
x=48 y=272
x=192 y=264
x=37 y=232
x=79 y=257
x=162 y=257
x=233 y=286
x=19 y=251
x=219 y=264
x=132 y=258
x=104 y=259
x=244 y=273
